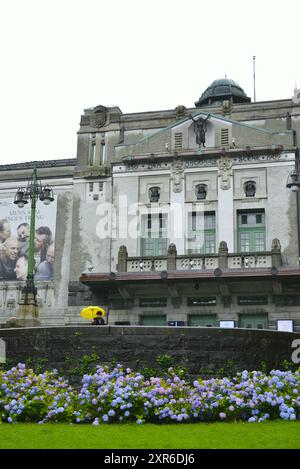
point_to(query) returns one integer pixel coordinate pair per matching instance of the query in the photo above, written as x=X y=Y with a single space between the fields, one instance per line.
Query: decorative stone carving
x=276 y=246
x=172 y=250
x=250 y=188
x=177 y=174
x=180 y=110
x=98 y=118
x=276 y=253
x=201 y=191
x=226 y=107
x=154 y=194
x=171 y=259
x=223 y=255
x=97 y=121
x=223 y=248
x=225 y=172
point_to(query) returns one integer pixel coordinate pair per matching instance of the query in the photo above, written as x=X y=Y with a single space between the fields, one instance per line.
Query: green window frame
x=153 y=320
x=154 y=246
x=202 y=233
x=251 y=232
x=203 y=320
x=253 y=321
x=154 y=241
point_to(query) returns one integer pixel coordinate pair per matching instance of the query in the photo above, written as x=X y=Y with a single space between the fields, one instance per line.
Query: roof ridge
x=39 y=164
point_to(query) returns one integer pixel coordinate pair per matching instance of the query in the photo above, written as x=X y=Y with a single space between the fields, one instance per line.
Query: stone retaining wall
x=192 y=347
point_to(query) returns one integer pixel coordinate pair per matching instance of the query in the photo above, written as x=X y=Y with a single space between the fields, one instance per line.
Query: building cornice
x=288 y=273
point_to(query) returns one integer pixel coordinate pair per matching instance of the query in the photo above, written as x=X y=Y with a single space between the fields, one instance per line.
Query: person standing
x=98 y=320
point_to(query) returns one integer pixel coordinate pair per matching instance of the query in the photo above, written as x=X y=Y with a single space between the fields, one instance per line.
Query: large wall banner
x=14 y=240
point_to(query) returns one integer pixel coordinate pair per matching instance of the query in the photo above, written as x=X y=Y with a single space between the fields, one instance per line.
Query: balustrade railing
x=222 y=260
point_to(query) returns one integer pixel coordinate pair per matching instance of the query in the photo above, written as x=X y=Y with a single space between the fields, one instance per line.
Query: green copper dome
x=220 y=90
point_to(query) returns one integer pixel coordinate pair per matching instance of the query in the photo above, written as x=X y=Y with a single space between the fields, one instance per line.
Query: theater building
x=181 y=216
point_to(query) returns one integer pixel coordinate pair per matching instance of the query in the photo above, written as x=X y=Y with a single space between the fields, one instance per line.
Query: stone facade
x=143 y=182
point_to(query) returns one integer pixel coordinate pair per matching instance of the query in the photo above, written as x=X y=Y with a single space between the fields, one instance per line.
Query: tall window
x=251 y=231
x=103 y=154
x=202 y=233
x=154 y=240
x=93 y=154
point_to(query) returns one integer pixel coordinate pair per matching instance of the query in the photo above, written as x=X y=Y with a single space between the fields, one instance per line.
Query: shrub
x=28 y=396
x=122 y=395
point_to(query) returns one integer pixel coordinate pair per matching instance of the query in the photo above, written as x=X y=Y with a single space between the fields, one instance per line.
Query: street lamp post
x=28 y=310
x=293 y=183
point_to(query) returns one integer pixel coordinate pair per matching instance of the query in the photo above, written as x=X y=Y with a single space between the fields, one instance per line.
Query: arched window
x=250 y=188
x=154 y=194
x=201 y=191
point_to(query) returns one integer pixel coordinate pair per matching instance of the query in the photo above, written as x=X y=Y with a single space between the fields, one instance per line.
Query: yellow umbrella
x=91 y=312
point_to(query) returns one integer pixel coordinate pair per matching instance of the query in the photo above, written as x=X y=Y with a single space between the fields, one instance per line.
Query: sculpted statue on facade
x=177 y=174
x=276 y=246
x=225 y=165
x=223 y=248
x=172 y=249
x=200 y=128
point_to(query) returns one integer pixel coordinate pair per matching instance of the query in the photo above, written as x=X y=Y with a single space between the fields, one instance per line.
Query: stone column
x=225 y=202
x=122 y=259
x=172 y=254
x=177 y=207
x=223 y=255
x=276 y=253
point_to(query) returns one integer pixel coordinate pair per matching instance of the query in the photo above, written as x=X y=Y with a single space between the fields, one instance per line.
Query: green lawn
x=275 y=434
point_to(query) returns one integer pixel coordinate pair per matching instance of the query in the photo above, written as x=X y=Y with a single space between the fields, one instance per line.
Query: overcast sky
x=59 y=57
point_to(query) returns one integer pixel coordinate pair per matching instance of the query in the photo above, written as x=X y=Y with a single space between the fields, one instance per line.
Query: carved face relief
x=250 y=188
x=154 y=194
x=201 y=191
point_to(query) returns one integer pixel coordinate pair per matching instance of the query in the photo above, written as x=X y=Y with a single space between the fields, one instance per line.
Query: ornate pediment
x=204 y=133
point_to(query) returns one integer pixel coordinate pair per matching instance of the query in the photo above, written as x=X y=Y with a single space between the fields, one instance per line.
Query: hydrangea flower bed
x=122 y=395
